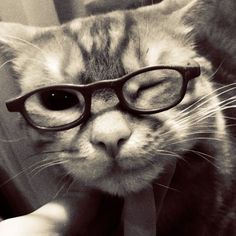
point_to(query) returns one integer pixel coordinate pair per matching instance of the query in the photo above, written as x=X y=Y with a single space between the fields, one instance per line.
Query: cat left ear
x=14 y=36
x=181 y=11
x=172 y=6
x=187 y=10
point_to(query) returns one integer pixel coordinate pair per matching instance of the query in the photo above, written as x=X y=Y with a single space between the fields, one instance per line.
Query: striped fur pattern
x=194 y=133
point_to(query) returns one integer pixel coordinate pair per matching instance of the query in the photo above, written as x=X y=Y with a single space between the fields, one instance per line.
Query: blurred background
x=49 y=12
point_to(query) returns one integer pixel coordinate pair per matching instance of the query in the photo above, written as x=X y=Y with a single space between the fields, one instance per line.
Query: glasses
x=148 y=90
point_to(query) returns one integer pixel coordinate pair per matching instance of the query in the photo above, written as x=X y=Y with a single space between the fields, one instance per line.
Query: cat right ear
x=13 y=37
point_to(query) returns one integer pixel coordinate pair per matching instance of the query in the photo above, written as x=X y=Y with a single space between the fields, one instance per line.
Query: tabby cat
x=124 y=96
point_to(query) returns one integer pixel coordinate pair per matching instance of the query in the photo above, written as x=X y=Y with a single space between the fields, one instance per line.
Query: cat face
x=115 y=150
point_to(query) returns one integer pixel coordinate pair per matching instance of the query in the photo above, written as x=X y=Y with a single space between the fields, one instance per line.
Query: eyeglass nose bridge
x=112 y=86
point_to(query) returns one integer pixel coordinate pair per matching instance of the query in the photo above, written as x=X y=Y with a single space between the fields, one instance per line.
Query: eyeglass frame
x=188 y=72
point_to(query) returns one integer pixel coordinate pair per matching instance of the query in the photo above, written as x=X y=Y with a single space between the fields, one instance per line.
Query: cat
x=115 y=149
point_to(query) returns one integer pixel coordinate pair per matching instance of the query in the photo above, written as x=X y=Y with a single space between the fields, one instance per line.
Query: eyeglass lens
x=54 y=108
x=156 y=89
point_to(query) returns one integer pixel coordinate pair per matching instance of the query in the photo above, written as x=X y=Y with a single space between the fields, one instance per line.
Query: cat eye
x=148 y=90
x=152 y=90
x=54 y=107
x=57 y=100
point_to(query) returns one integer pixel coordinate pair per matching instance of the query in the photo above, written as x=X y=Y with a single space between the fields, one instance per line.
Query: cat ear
x=181 y=12
x=13 y=37
x=174 y=6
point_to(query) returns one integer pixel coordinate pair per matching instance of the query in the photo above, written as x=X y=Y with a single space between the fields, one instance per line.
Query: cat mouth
x=117 y=167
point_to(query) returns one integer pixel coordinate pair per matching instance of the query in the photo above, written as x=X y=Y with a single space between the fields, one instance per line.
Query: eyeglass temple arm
x=13 y=105
x=193 y=70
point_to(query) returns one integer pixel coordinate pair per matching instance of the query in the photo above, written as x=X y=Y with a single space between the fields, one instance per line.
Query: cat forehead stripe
x=117 y=31
x=105 y=33
x=102 y=44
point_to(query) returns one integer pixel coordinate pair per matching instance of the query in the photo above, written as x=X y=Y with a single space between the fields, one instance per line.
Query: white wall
x=32 y=12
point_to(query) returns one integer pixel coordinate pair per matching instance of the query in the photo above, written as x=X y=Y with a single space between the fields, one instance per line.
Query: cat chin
x=123 y=184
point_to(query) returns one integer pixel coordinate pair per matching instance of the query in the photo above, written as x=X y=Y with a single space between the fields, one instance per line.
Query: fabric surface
x=140 y=214
x=141 y=210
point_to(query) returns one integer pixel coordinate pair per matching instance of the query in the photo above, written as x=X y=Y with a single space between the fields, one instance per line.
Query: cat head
x=114 y=149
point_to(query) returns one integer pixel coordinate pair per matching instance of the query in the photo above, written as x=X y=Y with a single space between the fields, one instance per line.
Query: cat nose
x=110 y=131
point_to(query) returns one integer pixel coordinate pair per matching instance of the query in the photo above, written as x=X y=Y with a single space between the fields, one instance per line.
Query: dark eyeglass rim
x=188 y=72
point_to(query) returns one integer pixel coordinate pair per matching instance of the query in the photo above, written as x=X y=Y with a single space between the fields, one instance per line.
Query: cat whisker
x=27 y=43
x=187 y=126
x=230 y=125
x=209 y=132
x=169 y=153
x=46 y=162
x=30 y=59
x=71 y=183
x=45 y=153
x=199 y=152
x=206 y=113
x=204 y=156
x=11 y=178
x=210 y=113
x=12 y=140
x=202 y=138
x=190 y=122
x=39 y=169
x=161 y=185
x=65 y=186
x=229 y=100
x=28 y=169
x=202 y=125
x=20 y=173
x=218 y=107
x=167 y=187
x=205 y=99
x=211 y=77
x=5 y=63
x=206 y=131
x=230 y=117
x=221 y=137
